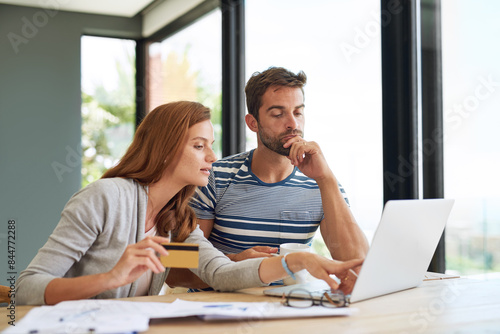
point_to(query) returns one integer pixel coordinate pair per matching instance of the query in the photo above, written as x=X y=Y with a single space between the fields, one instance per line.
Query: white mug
x=300 y=276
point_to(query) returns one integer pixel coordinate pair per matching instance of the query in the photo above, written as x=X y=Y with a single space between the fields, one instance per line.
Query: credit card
x=180 y=255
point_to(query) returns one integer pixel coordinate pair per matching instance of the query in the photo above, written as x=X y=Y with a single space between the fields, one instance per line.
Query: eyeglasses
x=303 y=298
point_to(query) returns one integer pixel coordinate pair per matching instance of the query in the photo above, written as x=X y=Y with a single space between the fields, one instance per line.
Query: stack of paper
x=240 y=310
x=112 y=316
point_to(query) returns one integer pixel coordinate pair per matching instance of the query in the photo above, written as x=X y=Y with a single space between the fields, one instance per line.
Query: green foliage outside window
x=108 y=123
x=108 y=115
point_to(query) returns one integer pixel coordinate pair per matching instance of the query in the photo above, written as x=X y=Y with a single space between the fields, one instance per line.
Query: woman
x=104 y=245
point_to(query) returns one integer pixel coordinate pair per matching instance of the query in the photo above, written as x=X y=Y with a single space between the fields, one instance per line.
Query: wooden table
x=440 y=306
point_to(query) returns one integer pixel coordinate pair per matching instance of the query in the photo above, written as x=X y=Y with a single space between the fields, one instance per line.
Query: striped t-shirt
x=248 y=212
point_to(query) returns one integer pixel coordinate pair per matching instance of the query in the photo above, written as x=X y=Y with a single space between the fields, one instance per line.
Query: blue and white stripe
x=248 y=212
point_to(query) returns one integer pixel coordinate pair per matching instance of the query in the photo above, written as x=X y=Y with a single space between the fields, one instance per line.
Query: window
x=108 y=103
x=341 y=58
x=471 y=99
x=187 y=66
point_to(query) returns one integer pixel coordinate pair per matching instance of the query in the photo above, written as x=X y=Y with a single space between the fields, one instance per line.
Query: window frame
x=233 y=67
x=401 y=45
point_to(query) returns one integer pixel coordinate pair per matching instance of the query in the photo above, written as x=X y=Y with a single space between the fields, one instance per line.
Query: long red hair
x=157 y=140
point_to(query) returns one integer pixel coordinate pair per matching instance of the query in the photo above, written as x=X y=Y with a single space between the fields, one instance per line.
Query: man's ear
x=251 y=122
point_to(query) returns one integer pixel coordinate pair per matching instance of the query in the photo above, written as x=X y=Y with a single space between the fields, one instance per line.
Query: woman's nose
x=212 y=157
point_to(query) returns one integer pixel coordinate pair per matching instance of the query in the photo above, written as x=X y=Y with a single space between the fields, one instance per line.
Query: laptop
x=400 y=253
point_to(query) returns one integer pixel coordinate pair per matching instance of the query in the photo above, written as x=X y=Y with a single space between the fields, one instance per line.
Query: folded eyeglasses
x=303 y=298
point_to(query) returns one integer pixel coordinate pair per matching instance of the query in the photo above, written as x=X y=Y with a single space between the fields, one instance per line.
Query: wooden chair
x=4 y=294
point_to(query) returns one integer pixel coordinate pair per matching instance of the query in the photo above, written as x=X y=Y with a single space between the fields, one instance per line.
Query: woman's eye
x=198 y=147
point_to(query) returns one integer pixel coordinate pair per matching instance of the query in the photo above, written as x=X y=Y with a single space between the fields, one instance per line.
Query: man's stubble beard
x=275 y=144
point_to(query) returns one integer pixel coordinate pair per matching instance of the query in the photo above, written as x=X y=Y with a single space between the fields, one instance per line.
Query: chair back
x=4 y=294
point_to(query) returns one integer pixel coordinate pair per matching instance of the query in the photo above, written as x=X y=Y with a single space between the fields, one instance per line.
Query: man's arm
x=184 y=278
x=206 y=226
x=339 y=229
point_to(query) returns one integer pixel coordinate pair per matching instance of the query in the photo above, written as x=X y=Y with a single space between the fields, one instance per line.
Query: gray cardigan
x=96 y=226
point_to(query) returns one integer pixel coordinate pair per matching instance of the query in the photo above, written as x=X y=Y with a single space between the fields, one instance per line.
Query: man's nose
x=292 y=122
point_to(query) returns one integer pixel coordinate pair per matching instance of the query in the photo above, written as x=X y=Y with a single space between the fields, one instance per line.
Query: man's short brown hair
x=259 y=82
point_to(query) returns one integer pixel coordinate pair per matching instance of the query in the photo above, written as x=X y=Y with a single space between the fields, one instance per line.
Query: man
x=281 y=191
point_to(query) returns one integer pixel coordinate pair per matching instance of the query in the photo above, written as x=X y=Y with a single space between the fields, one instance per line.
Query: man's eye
x=277 y=115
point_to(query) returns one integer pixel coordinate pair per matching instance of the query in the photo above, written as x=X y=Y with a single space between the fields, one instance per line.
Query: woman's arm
x=136 y=259
x=222 y=274
x=272 y=269
x=90 y=239
x=83 y=287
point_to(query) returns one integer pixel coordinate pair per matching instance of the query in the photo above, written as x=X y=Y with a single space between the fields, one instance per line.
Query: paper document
x=260 y=310
x=117 y=316
x=83 y=316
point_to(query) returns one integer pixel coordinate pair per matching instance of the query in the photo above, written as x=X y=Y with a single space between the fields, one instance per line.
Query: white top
x=144 y=282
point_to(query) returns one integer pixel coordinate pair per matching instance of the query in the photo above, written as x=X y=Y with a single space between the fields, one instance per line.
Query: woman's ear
x=251 y=122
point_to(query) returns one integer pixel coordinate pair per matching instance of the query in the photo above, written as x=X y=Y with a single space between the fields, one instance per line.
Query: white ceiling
x=126 y=8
